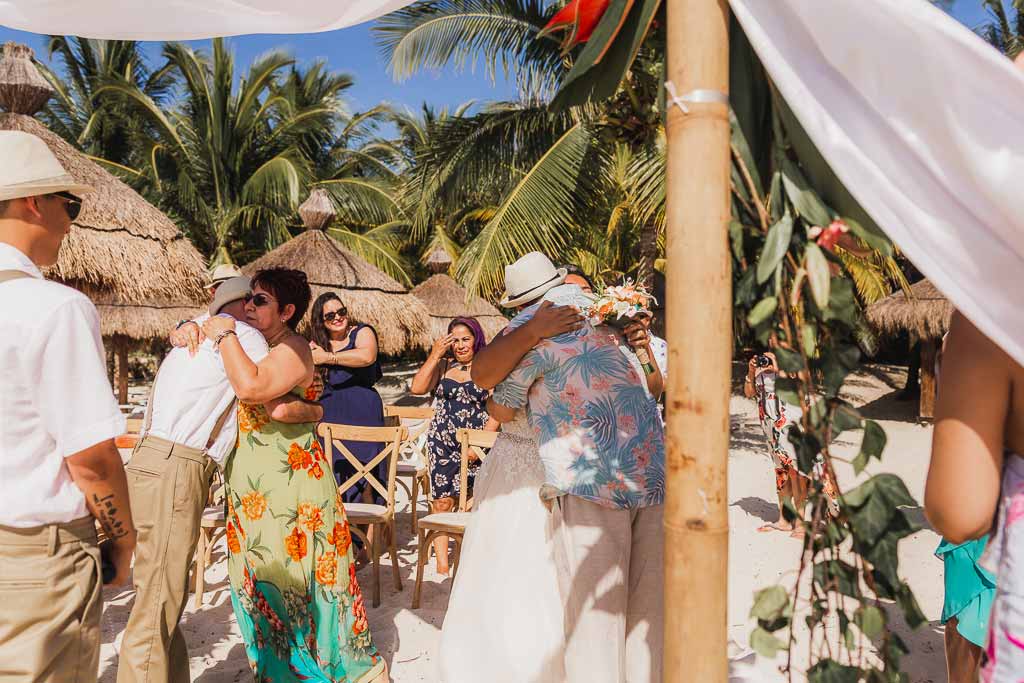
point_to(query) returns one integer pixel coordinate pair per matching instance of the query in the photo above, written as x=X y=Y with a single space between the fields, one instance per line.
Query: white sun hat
x=30 y=169
x=530 y=278
x=223 y=272
x=231 y=290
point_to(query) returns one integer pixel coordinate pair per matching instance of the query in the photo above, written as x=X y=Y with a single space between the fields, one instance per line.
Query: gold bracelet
x=222 y=336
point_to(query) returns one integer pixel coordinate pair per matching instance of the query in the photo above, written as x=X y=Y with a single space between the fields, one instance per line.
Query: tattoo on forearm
x=106 y=514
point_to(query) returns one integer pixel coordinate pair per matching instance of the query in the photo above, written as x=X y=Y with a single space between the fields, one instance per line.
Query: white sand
x=408 y=638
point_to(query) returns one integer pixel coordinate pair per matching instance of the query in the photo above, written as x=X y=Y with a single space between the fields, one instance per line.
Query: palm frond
x=536 y=215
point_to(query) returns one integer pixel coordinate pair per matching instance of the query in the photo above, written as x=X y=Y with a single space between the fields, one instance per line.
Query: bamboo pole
x=699 y=317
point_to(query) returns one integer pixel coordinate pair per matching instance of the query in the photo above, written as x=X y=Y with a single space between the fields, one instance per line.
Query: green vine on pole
x=793 y=292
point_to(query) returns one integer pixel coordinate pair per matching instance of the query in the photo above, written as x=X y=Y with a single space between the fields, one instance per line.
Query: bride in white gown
x=505 y=619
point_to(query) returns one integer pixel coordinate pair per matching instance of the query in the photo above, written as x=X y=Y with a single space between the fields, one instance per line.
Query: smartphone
x=107 y=569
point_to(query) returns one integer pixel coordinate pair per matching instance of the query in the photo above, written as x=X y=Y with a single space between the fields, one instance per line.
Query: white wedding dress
x=505 y=619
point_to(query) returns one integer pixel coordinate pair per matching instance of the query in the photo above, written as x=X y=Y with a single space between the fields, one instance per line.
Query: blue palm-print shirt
x=599 y=432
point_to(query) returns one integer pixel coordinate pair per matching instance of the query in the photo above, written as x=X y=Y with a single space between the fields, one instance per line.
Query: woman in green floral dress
x=293 y=582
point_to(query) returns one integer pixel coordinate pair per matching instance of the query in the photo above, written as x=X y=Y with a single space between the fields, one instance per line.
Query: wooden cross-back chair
x=472 y=441
x=377 y=517
x=212 y=527
x=414 y=464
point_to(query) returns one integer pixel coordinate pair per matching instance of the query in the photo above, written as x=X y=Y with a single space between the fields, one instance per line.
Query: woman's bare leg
x=441 y=542
x=963 y=658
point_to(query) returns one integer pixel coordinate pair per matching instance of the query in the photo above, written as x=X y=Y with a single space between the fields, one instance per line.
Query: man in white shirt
x=59 y=469
x=191 y=427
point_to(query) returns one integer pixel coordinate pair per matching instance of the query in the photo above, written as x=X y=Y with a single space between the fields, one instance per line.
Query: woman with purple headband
x=458 y=404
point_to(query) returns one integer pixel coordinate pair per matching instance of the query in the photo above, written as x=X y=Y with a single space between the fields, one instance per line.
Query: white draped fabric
x=924 y=124
x=187 y=19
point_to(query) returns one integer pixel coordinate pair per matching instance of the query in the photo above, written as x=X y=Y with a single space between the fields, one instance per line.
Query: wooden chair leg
x=393 y=549
x=458 y=554
x=210 y=543
x=377 y=529
x=414 y=499
x=421 y=560
x=200 y=568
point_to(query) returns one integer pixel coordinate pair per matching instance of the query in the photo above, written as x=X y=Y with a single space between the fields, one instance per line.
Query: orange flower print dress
x=293 y=581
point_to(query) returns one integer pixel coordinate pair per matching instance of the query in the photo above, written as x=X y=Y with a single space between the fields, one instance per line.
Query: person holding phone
x=458 y=404
x=776 y=418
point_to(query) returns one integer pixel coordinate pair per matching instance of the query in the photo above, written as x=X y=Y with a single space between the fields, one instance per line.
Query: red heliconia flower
x=578 y=20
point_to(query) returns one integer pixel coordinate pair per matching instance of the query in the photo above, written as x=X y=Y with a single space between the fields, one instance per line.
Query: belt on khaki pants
x=51 y=536
x=168 y=448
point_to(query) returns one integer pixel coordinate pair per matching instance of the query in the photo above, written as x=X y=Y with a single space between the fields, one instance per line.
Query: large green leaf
x=776 y=245
x=818 y=275
x=593 y=81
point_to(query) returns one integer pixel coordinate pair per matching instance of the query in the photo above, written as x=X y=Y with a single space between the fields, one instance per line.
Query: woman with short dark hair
x=293 y=584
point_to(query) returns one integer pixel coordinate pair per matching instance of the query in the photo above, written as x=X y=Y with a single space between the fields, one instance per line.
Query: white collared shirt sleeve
x=255 y=346
x=77 y=403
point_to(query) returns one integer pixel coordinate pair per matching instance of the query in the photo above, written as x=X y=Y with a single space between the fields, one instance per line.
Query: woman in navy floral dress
x=458 y=404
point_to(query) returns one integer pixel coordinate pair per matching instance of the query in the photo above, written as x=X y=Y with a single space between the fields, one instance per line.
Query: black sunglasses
x=335 y=315
x=258 y=300
x=73 y=205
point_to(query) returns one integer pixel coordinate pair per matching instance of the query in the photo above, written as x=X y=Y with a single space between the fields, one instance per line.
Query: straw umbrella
x=925 y=316
x=700 y=330
x=371 y=296
x=439 y=260
x=122 y=252
x=446 y=300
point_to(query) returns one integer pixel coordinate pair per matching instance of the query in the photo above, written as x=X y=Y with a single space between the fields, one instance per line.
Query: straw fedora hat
x=223 y=273
x=231 y=290
x=530 y=278
x=30 y=169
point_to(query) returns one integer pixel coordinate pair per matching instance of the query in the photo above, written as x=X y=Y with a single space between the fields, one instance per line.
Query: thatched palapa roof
x=925 y=315
x=446 y=299
x=122 y=251
x=371 y=296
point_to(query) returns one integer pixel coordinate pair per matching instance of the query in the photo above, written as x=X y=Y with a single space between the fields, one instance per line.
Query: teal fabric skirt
x=970 y=589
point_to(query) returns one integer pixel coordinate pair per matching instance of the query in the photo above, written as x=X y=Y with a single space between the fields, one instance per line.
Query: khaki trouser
x=51 y=600
x=609 y=565
x=169 y=484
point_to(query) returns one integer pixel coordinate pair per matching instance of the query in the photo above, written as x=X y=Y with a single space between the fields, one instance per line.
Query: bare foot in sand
x=775 y=526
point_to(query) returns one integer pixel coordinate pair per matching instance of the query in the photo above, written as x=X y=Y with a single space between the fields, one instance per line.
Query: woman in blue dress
x=345 y=353
x=458 y=404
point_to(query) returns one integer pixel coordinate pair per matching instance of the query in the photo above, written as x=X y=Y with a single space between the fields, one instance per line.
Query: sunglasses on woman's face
x=258 y=300
x=72 y=205
x=335 y=315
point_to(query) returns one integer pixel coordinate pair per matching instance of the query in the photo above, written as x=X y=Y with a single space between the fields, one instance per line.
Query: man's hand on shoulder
x=550 y=320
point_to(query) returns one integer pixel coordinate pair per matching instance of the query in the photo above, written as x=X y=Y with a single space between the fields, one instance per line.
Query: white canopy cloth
x=924 y=124
x=187 y=19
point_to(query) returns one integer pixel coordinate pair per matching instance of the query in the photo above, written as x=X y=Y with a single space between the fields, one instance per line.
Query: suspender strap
x=8 y=275
x=217 y=427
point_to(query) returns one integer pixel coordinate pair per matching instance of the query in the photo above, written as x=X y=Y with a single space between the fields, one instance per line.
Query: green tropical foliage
x=1005 y=30
x=581 y=184
x=100 y=126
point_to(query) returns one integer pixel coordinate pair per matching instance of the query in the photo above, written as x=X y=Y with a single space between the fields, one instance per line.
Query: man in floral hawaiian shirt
x=601 y=441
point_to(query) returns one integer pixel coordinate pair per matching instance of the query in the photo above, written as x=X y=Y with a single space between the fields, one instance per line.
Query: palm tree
x=101 y=127
x=1005 y=31
x=522 y=176
x=584 y=185
x=230 y=160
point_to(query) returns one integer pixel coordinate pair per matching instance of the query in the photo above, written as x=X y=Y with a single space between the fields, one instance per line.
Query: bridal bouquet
x=620 y=305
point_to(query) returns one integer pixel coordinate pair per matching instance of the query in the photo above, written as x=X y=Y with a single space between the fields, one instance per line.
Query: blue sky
x=353 y=51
